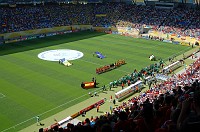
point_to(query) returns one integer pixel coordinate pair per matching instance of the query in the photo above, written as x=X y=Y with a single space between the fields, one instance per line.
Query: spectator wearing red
x=122 y=124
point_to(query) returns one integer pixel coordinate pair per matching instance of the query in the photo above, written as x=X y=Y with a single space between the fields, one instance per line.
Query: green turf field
x=30 y=86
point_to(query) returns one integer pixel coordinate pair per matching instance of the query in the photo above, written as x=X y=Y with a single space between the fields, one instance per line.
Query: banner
x=91 y=106
x=88 y=84
x=36 y=32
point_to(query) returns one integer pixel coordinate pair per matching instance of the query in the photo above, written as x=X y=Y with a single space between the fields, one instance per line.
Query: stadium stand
x=161 y=108
x=165 y=107
x=24 y=17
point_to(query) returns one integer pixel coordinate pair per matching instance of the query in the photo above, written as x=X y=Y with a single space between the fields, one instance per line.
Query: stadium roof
x=39 y=1
x=7 y=1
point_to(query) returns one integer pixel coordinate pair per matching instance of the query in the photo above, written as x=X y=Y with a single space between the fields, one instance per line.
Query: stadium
x=99 y=66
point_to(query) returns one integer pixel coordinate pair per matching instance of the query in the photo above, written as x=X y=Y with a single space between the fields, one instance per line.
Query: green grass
x=36 y=87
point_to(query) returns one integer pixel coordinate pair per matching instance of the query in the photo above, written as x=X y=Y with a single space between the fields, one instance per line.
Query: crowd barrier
x=34 y=32
x=16 y=36
x=92 y=106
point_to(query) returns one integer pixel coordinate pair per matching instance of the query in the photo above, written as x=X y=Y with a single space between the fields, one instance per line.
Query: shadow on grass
x=100 y=112
x=112 y=90
x=104 y=92
x=26 y=45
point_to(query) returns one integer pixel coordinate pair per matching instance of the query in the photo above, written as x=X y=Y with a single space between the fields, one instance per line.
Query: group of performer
x=110 y=67
x=136 y=75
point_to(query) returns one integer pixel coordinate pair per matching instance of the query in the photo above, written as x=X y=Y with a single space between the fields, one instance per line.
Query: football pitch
x=30 y=86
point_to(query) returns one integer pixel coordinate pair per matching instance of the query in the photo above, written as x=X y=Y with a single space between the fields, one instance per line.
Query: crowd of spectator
x=169 y=106
x=183 y=22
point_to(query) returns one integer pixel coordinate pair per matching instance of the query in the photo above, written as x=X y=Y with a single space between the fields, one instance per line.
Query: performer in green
x=115 y=83
x=38 y=120
x=111 y=85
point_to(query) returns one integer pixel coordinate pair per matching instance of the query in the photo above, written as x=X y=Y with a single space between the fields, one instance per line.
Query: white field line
x=13 y=127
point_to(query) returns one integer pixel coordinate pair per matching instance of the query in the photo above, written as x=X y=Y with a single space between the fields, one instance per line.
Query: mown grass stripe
x=51 y=84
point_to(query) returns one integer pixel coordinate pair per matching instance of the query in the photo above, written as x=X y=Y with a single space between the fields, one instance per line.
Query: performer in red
x=122 y=85
x=110 y=98
x=129 y=82
x=98 y=108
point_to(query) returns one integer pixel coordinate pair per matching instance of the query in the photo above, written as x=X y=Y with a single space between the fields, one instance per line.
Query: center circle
x=56 y=55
